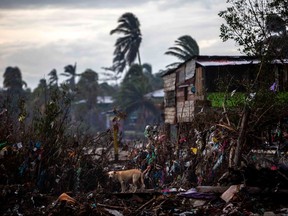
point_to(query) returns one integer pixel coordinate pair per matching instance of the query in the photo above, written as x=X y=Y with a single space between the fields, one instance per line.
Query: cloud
x=208 y=4
x=14 y=4
x=36 y=61
x=46 y=36
x=162 y=4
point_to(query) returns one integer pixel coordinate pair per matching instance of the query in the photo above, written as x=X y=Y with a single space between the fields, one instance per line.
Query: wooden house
x=186 y=87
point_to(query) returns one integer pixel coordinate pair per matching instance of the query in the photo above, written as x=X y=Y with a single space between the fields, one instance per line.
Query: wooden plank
x=146 y=204
x=199 y=81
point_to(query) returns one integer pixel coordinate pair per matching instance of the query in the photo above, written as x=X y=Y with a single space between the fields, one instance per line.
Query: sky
x=40 y=35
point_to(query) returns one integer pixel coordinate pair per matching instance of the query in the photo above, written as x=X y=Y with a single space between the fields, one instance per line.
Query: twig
x=225 y=114
x=146 y=204
x=111 y=207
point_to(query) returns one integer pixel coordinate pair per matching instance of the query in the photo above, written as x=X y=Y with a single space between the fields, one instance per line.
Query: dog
x=126 y=176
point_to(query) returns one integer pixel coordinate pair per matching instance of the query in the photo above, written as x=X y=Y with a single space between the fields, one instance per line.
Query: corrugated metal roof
x=104 y=100
x=205 y=60
x=226 y=62
x=100 y=100
x=155 y=94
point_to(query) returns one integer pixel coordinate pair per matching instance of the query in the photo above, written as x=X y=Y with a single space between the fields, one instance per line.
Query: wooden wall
x=185 y=107
x=185 y=111
x=169 y=82
x=169 y=85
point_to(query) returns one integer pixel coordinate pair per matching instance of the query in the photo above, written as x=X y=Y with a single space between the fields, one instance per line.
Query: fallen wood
x=226 y=126
x=111 y=207
x=146 y=204
x=257 y=190
x=283 y=175
x=212 y=189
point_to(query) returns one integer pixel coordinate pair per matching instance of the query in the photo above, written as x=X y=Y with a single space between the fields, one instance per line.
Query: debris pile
x=235 y=200
x=192 y=176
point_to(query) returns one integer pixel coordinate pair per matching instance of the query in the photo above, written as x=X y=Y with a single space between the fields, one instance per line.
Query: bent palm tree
x=110 y=75
x=53 y=77
x=127 y=47
x=185 y=47
x=70 y=71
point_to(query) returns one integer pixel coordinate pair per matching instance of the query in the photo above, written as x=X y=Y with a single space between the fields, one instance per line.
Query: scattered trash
x=195 y=179
x=228 y=195
x=192 y=193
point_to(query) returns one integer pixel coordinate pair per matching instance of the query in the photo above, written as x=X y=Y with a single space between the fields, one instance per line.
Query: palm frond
x=122 y=41
x=132 y=51
x=176 y=54
x=185 y=47
x=120 y=30
x=127 y=47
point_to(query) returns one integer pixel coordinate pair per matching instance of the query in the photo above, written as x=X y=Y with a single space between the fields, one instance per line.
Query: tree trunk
x=242 y=136
x=115 y=141
x=139 y=59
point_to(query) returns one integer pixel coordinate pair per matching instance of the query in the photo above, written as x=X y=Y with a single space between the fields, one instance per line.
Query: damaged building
x=188 y=86
x=200 y=86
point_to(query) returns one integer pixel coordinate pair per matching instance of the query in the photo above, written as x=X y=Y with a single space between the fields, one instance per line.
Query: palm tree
x=107 y=90
x=88 y=87
x=110 y=75
x=134 y=74
x=13 y=83
x=154 y=79
x=53 y=77
x=40 y=94
x=147 y=68
x=131 y=97
x=277 y=38
x=127 y=47
x=13 y=79
x=70 y=71
x=135 y=102
x=185 y=47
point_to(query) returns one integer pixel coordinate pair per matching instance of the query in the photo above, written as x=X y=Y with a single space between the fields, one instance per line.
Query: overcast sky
x=40 y=35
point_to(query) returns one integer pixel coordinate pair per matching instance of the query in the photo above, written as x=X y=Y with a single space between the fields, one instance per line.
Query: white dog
x=126 y=176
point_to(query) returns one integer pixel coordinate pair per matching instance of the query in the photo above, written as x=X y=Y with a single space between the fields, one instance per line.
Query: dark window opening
x=186 y=93
x=170 y=99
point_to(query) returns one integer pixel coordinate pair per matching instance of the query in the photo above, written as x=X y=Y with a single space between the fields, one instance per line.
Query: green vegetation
x=218 y=98
x=259 y=28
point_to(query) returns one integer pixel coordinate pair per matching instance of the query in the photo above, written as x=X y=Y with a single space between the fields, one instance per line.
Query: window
x=170 y=99
x=190 y=69
x=181 y=76
x=186 y=93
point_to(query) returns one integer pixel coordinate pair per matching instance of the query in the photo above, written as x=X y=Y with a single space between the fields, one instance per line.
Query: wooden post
x=242 y=136
x=115 y=138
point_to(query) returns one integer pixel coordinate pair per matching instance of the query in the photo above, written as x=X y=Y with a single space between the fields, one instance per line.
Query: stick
x=145 y=204
x=111 y=207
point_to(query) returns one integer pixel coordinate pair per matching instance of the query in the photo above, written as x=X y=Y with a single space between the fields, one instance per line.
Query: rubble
x=194 y=180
